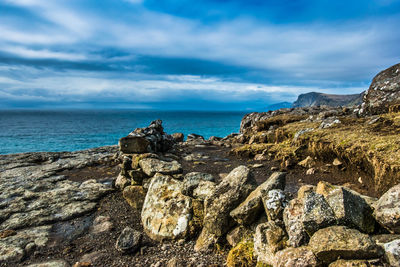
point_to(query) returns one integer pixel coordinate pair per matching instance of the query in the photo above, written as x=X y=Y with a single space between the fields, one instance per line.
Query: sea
x=72 y=130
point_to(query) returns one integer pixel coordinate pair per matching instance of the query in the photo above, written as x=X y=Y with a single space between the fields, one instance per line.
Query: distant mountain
x=279 y=105
x=318 y=99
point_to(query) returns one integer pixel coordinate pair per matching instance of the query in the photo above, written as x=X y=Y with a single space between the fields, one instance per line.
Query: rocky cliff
x=318 y=99
x=383 y=94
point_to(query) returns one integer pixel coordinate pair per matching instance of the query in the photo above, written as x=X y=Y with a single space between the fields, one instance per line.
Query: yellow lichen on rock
x=241 y=255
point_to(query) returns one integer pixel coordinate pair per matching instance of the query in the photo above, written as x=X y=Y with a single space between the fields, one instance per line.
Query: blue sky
x=179 y=54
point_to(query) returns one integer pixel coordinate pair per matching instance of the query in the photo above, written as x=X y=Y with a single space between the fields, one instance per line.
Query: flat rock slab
x=330 y=243
x=33 y=197
x=151 y=166
x=166 y=211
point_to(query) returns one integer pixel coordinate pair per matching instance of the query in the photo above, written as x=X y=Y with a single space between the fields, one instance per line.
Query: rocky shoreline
x=316 y=186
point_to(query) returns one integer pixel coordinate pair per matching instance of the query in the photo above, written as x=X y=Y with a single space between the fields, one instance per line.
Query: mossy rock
x=242 y=255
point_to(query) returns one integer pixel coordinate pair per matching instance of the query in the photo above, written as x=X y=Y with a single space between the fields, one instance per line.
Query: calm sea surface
x=28 y=131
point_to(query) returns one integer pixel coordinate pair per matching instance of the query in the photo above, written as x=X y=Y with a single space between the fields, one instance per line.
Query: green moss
x=241 y=255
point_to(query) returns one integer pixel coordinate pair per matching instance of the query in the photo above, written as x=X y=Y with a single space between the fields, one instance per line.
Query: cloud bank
x=180 y=54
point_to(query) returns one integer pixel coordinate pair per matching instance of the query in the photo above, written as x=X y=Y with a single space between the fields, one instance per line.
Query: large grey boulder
x=232 y=190
x=330 y=243
x=387 y=210
x=166 y=212
x=317 y=213
x=268 y=239
x=296 y=257
x=248 y=210
x=151 y=166
x=349 y=207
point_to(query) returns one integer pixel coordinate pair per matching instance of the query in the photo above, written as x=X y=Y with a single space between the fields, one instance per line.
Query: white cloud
x=42 y=53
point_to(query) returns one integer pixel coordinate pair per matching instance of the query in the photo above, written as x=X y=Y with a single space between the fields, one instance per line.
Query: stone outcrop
x=233 y=189
x=387 y=210
x=383 y=94
x=34 y=196
x=330 y=243
x=166 y=211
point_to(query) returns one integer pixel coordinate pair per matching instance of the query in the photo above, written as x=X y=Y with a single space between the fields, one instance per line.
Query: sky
x=181 y=54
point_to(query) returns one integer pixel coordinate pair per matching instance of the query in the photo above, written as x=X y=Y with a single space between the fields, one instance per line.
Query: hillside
x=318 y=99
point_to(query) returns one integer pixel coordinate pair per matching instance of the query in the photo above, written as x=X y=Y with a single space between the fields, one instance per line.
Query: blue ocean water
x=70 y=130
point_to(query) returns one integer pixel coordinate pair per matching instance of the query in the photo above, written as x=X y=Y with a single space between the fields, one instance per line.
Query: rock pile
x=323 y=225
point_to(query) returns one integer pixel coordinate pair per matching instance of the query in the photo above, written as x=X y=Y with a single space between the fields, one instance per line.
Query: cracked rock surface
x=34 y=196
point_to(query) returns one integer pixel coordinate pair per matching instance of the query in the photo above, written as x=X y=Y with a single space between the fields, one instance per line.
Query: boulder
x=392 y=253
x=192 y=180
x=204 y=189
x=383 y=92
x=129 y=240
x=292 y=217
x=151 y=166
x=387 y=210
x=166 y=212
x=349 y=207
x=248 y=210
x=296 y=257
x=268 y=239
x=134 y=144
x=330 y=243
x=232 y=190
x=134 y=195
x=239 y=234
x=137 y=176
x=241 y=255
x=275 y=202
x=178 y=137
x=317 y=213
x=121 y=182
